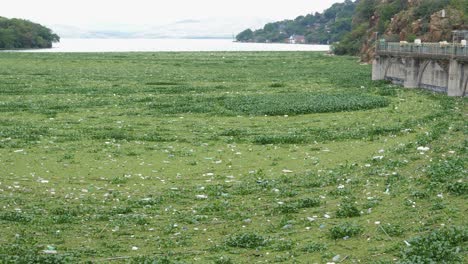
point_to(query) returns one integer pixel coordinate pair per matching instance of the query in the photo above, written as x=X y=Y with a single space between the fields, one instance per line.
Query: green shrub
x=445 y=170
x=246 y=240
x=347 y=209
x=149 y=260
x=309 y=203
x=391 y=230
x=287 y=208
x=259 y=104
x=279 y=139
x=16 y=217
x=118 y=180
x=277 y=85
x=223 y=260
x=440 y=246
x=429 y=7
x=283 y=245
x=314 y=247
x=300 y=103
x=36 y=257
x=387 y=92
x=458 y=188
x=345 y=230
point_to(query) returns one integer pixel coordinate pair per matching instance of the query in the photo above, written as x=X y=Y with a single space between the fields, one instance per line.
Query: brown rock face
x=400 y=25
x=442 y=24
x=404 y=26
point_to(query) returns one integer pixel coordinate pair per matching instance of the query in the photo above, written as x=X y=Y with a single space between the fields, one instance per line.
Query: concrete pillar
x=455 y=79
x=412 y=72
x=378 y=69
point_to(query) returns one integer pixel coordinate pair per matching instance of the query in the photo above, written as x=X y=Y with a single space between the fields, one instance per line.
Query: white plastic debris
x=50 y=250
x=423 y=149
x=134 y=248
x=202 y=196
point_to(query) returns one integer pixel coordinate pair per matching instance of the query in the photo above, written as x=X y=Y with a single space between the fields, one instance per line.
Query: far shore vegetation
x=24 y=34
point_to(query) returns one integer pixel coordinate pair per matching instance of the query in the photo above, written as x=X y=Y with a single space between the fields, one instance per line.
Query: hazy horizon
x=177 y=18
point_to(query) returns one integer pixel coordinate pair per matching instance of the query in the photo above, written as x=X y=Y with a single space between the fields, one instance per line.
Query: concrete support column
x=412 y=72
x=455 y=79
x=378 y=69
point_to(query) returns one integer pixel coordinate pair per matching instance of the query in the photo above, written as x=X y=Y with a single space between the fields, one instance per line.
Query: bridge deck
x=425 y=50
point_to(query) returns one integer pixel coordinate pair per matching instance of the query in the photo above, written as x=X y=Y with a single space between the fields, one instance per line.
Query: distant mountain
x=189 y=28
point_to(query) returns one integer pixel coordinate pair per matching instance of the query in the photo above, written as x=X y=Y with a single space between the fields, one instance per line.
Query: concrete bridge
x=434 y=66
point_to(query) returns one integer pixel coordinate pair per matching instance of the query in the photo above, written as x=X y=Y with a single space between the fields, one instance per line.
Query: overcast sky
x=153 y=12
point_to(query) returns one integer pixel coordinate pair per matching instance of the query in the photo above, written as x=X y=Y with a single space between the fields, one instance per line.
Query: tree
x=332 y=25
x=246 y=35
x=24 y=34
x=7 y=38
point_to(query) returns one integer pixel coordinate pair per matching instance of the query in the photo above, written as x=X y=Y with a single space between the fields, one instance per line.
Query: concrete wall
x=433 y=77
x=448 y=76
x=458 y=79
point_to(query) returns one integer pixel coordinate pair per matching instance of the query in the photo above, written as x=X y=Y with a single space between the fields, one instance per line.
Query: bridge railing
x=427 y=49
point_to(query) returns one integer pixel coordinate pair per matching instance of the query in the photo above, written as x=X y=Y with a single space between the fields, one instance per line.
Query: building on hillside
x=297 y=39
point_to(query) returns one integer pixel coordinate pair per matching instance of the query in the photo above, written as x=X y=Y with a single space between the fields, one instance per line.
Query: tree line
x=350 y=26
x=319 y=28
x=24 y=34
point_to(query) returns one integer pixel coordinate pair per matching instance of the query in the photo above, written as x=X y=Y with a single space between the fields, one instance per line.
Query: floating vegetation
x=221 y=157
x=302 y=103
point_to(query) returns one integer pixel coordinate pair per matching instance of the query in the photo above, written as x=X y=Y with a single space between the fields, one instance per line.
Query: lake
x=148 y=45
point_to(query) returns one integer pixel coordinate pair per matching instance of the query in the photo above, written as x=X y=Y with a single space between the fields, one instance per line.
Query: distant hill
x=318 y=28
x=24 y=34
x=352 y=26
x=402 y=20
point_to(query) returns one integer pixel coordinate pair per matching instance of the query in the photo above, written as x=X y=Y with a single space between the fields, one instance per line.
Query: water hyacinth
x=252 y=172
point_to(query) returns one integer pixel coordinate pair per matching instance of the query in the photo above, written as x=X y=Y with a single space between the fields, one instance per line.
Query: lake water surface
x=142 y=45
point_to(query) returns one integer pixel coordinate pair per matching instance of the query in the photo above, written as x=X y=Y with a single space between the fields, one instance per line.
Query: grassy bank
x=225 y=158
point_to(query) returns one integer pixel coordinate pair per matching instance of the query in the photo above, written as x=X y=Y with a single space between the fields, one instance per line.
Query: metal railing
x=424 y=49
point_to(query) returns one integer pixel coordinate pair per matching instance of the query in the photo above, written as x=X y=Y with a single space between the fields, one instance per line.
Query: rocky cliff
x=354 y=26
x=428 y=20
